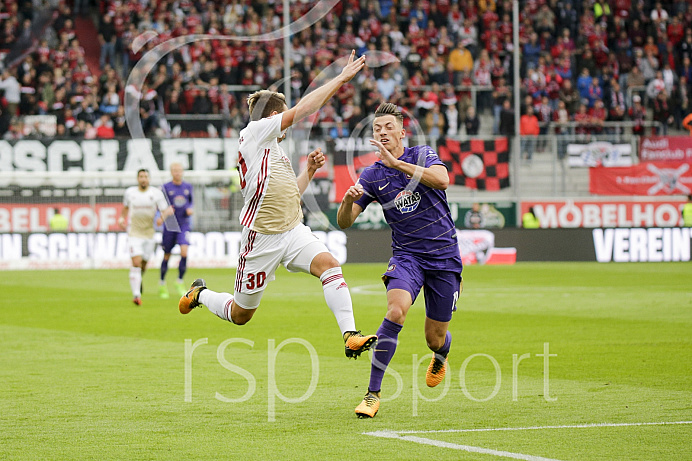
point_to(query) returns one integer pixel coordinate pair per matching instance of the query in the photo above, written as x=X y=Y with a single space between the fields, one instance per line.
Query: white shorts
x=261 y=254
x=142 y=247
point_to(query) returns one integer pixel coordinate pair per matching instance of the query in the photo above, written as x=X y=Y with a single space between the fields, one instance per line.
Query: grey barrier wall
x=602 y=245
x=93 y=250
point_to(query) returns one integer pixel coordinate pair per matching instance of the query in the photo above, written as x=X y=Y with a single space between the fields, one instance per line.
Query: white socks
x=335 y=293
x=338 y=298
x=136 y=281
x=217 y=303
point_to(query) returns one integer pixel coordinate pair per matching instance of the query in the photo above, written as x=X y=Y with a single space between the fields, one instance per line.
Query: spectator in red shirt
x=529 y=131
x=104 y=127
x=598 y=116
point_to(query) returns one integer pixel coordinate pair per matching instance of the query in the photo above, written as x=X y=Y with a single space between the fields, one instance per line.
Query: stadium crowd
x=584 y=61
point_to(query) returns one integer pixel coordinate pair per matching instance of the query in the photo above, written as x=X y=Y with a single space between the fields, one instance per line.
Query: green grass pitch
x=85 y=374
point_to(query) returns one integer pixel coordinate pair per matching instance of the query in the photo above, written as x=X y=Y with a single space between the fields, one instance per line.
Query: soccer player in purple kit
x=179 y=195
x=410 y=184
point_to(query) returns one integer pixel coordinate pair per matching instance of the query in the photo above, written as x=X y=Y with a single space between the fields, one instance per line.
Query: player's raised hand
x=383 y=154
x=352 y=67
x=353 y=193
x=316 y=159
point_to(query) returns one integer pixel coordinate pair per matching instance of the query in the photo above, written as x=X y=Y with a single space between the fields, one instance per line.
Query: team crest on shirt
x=407 y=201
x=391 y=267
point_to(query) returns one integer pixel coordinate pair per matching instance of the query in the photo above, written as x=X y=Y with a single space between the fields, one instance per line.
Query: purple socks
x=384 y=350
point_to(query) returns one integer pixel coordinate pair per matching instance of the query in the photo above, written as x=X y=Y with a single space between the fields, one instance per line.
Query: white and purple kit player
x=410 y=185
x=179 y=195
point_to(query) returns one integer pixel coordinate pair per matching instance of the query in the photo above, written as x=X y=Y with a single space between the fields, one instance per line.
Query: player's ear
x=403 y=134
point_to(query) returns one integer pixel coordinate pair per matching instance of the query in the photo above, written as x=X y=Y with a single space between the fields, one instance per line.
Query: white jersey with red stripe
x=267 y=180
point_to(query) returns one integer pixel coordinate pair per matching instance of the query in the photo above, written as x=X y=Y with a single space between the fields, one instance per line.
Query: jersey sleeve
x=431 y=157
x=266 y=128
x=161 y=200
x=126 y=198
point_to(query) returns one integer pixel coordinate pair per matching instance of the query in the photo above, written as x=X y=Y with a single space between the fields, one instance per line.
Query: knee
x=322 y=263
x=434 y=342
x=396 y=313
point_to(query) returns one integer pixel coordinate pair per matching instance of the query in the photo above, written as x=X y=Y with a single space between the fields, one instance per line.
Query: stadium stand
x=606 y=55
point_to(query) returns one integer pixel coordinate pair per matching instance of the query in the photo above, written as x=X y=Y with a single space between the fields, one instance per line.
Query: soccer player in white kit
x=140 y=203
x=273 y=232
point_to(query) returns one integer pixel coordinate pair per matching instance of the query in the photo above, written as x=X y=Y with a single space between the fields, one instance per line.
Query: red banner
x=16 y=217
x=615 y=213
x=650 y=178
x=666 y=149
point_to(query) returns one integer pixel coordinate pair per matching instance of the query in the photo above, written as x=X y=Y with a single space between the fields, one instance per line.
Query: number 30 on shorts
x=256 y=280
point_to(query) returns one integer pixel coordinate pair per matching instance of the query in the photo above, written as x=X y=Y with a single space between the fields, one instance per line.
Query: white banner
x=200 y=154
x=110 y=250
x=642 y=245
x=599 y=154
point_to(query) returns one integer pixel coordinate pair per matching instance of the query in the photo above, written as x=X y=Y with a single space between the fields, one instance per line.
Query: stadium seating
x=452 y=53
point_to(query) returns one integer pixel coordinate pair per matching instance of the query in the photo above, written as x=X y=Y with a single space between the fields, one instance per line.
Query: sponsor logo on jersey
x=407 y=201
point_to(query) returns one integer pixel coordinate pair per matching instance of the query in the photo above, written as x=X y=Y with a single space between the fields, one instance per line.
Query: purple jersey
x=419 y=217
x=180 y=196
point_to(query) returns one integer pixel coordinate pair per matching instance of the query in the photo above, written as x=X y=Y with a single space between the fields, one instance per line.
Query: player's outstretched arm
x=316 y=160
x=349 y=210
x=435 y=176
x=313 y=101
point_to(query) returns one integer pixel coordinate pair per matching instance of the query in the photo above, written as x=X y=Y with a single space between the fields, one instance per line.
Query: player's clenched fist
x=316 y=159
x=353 y=193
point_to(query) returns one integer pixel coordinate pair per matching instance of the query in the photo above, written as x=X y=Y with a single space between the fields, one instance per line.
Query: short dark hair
x=142 y=169
x=262 y=103
x=387 y=108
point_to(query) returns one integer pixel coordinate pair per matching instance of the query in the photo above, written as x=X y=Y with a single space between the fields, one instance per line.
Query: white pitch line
x=374 y=289
x=454 y=446
x=503 y=454
x=533 y=428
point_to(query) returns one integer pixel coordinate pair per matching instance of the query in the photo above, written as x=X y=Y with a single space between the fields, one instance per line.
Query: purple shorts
x=441 y=286
x=169 y=239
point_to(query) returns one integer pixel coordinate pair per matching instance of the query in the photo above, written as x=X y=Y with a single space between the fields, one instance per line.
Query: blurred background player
x=58 y=222
x=179 y=195
x=529 y=220
x=687 y=212
x=410 y=184
x=140 y=204
x=273 y=232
